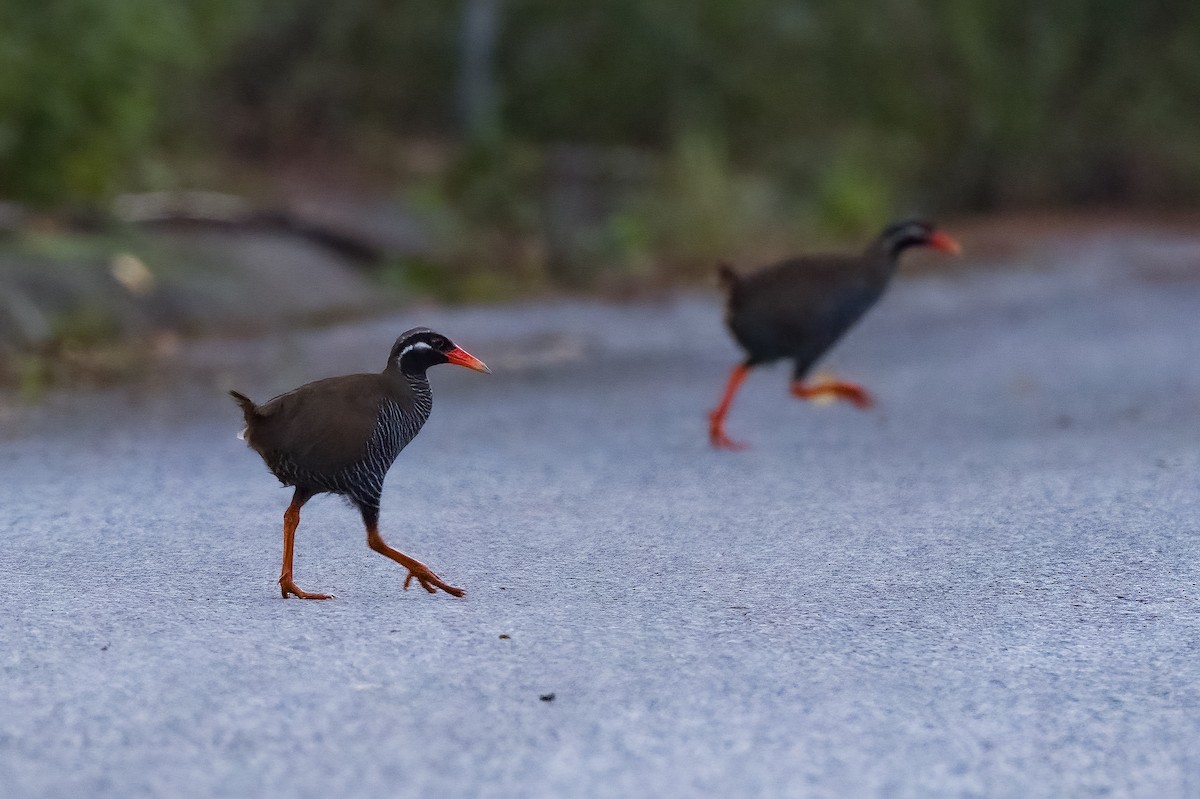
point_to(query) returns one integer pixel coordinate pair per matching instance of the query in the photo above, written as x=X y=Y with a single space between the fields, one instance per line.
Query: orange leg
x=291 y=520
x=424 y=575
x=716 y=419
x=853 y=393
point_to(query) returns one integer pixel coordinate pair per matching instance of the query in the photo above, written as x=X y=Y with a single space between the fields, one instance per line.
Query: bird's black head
x=421 y=348
x=898 y=237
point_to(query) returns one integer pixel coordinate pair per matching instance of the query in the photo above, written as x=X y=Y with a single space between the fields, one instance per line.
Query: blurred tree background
x=629 y=133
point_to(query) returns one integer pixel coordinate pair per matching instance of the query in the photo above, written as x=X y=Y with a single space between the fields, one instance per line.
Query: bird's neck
x=890 y=247
x=415 y=380
x=882 y=257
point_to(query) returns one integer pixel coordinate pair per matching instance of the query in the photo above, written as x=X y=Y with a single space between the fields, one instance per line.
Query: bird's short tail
x=727 y=277
x=248 y=410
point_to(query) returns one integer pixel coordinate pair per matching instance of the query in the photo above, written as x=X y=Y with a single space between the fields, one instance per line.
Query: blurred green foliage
x=857 y=109
x=84 y=84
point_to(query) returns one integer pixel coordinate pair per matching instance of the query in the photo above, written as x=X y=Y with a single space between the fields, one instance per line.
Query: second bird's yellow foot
x=832 y=390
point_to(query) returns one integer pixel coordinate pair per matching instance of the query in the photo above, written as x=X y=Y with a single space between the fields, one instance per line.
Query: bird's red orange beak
x=943 y=242
x=460 y=357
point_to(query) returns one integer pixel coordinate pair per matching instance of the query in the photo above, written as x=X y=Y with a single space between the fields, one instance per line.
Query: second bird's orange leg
x=853 y=393
x=291 y=520
x=716 y=419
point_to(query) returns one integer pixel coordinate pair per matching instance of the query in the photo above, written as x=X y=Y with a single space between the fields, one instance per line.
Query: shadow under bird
x=340 y=436
x=797 y=309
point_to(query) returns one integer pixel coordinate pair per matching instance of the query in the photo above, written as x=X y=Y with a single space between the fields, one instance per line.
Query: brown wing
x=321 y=426
x=800 y=305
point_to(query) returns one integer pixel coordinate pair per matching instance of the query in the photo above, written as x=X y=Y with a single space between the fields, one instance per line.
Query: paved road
x=988 y=587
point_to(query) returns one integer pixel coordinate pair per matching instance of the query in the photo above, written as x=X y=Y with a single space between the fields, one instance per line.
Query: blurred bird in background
x=799 y=308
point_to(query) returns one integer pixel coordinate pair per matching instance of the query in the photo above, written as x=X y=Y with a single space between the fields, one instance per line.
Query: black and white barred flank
x=362 y=481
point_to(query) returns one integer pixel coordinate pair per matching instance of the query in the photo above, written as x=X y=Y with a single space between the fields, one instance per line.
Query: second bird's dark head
x=898 y=237
x=421 y=348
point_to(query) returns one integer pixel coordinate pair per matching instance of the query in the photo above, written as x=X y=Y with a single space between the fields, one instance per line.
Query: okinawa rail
x=340 y=436
x=797 y=309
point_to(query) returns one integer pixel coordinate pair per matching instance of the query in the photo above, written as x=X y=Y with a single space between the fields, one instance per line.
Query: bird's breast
x=399 y=423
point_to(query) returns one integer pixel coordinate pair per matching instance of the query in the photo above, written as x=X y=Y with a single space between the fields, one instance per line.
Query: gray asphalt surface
x=986 y=587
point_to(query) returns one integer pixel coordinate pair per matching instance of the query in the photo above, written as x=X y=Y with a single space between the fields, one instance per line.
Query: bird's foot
x=289 y=588
x=428 y=580
x=831 y=390
x=717 y=437
x=721 y=441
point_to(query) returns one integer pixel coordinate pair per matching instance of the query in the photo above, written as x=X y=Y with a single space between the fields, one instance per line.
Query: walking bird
x=797 y=309
x=340 y=436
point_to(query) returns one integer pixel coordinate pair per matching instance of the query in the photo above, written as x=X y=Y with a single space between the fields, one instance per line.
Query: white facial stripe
x=416 y=345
